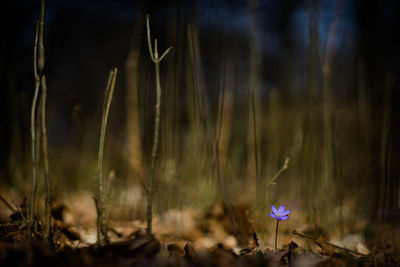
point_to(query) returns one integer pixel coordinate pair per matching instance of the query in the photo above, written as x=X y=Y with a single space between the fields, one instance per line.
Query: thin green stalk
x=43 y=85
x=280 y=171
x=48 y=185
x=99 y=200
x=276 y=235
x=156 y=60
x=155 y=145
x=253 y=112
x=273 y=179
x=384 y=181
x=111 y=177
x=33 y=131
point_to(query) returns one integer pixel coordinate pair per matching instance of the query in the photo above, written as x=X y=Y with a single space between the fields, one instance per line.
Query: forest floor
x=181 y=238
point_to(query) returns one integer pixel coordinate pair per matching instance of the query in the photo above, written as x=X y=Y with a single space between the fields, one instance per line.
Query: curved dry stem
x=48 y=184
x=166 y=52
x=154 y=55
x=273 y=180
x=281 y=170
x=33 y=130
x=149 y=38
x=43 y=85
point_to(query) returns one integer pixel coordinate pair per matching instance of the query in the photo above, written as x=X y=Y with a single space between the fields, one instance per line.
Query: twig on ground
x=295 y=232
x=141 y=182
x=18 y=209
x=7 y=204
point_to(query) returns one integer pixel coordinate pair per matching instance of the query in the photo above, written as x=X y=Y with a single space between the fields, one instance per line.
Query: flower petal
x=274 y=210
x=284 y=217
x=281 y=209
x=284 y=213
x=274 y=216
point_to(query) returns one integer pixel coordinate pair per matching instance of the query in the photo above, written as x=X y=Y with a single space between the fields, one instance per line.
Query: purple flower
x=280 y=214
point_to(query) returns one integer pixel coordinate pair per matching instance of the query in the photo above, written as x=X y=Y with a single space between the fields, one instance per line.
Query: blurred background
x=247 y=84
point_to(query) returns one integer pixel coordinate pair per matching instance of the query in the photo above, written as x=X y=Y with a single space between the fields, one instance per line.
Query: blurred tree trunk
x=172 y=99
x=198 y=104
x=255 y=97
x=312 y=129
x=205 y=130
x=170 y=104
x=132 y=105
x=385 y=193
x=200 y=97
x=225 y=109
x=5 y=133
x=273 y=133
x=173 y=110
x=331 y=165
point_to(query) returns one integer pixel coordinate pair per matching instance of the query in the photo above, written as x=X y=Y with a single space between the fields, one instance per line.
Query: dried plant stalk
x=156 y=60
x=33 y=131
x=102 y=236
x=255 y=105
x=43 y=85
x=132 y=101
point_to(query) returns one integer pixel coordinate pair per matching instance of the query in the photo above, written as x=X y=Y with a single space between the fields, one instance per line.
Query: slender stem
x=149 y=37
x=155 y=142
x=43 y=85
x=276 y=235
x=33 y=130
x=165 y=53
x=101 y=221
x=281 y=170
x=111 y=177
x=153 y=57
x=48 y=185
x=156 y=60
x=276 y=176
x=253 y=109
x=41 y=61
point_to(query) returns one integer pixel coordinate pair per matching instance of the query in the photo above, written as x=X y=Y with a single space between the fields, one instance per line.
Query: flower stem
x=276 y=234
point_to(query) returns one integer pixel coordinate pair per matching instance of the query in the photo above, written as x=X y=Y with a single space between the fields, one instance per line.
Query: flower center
x=279 y=215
